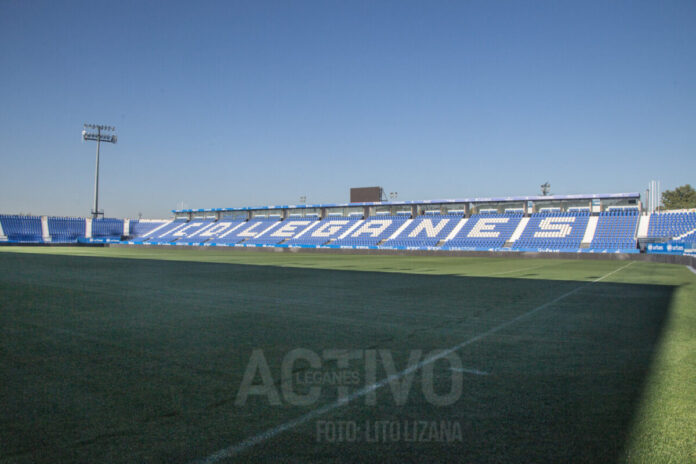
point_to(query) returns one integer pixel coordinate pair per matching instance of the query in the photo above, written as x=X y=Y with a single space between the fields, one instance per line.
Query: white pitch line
x=469 y=371
x=250 y=442
x=516 y=270
x=691 y=269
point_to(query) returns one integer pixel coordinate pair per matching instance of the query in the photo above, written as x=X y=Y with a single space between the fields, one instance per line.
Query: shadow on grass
x=86 y=340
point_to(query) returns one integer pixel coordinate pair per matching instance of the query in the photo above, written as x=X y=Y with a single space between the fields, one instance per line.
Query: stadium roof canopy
x=598 y=196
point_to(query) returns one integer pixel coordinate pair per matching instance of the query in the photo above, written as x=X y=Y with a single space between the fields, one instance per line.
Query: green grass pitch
x=138 y=355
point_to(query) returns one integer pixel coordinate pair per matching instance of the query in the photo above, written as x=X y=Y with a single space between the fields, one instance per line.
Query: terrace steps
x=643 y=226
x=45 y=235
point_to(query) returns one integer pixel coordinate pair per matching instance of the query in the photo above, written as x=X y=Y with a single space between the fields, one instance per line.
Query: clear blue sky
x=250 y=103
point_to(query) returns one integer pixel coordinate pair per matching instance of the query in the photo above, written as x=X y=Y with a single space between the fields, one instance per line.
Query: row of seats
x=21 y=228
x=326 y=231
x=371 y=231
x=690 y=237
x=27 y=229
x=425 y=231
x=615 y=229
x=557 y=231
x=488 y=230
x=672 y=224
x=280 y=231
x=66 y=230
x=107 y=228
x=143 y=227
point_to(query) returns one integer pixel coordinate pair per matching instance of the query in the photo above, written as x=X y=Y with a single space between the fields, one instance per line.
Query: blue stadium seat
x=284 y=231
x=327 y=230
x=616 y=229
x=107 y=228
x=544 y=231
x=237 y=231
x=425 y=231
x=191 y=233
x=554 y=230
x=672 y=224
x=164 y=234
x=485 y=231
x=371 y=231
x=25 y=229
x=66 y=230
x=140 y=228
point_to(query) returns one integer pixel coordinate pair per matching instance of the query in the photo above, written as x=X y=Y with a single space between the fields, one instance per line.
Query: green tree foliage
x=679 y=198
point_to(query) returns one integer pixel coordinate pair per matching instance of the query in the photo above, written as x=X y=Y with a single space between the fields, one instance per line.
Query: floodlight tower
x=98 y=137
x=545 y=188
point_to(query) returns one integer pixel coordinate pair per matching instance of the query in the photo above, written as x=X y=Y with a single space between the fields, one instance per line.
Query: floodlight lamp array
x=99 y=137
x=100 y=127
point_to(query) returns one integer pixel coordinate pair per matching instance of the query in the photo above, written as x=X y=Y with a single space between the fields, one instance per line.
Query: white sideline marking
x=303 y=419
x=469 y=371
x=515 y=270
x=691 y=269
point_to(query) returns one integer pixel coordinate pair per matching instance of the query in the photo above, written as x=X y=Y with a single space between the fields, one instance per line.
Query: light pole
x=393 y=196
x=98 y=137
x=545 y=188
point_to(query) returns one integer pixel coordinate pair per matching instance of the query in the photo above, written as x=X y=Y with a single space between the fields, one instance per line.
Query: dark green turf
x=140 y=360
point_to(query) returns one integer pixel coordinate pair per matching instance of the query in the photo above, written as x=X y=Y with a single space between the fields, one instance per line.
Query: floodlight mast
x=545 y=188
x=99 y=138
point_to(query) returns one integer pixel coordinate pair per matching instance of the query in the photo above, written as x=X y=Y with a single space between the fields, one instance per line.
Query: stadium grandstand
x=596 y=223
x=325 y=232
